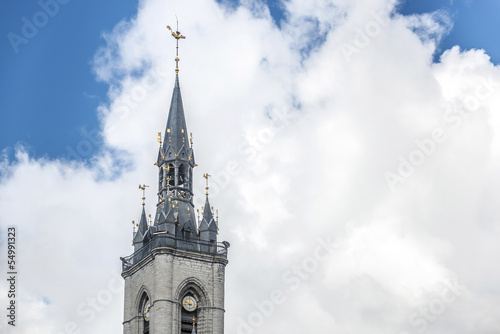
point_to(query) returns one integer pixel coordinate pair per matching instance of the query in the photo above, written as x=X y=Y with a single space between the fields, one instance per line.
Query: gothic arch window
x=193 y=287
x=160 y=179
x=183 y=176
x=145 y=313
x=189 y=312
x=190 y=177
x=170 y=175
x=186 y=233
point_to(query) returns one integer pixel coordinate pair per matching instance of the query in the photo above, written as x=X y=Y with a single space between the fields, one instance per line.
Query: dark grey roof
x=143 y=227
x=207 y=221
x=176 y=134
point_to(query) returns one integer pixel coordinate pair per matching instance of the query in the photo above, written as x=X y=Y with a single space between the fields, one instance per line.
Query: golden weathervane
x=206 y=176
x=177 y=35
x=143 y=188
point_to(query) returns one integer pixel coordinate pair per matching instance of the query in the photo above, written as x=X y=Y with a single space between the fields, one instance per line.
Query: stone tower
x=174 y=280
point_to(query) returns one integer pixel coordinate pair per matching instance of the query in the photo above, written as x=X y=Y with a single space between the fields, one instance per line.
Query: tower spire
x=177 y=35
x=175 y=210
x=208 y=225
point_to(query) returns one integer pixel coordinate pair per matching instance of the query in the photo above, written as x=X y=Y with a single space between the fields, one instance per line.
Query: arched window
x=182 y=176
x=186 y=233
x=145 y=312
x=170 y=175
x=160 y=179
x=190 y=177
x=189 y=312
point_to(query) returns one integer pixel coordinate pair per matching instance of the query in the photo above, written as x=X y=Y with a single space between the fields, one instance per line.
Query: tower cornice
x=174 y=252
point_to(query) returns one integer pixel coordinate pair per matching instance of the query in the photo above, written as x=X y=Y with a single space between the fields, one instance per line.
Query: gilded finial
x=159 y=138
x=194 y=321
x=191 y=139
x=143 y=188
x=133 y=224
x=177 y=35
x=206 y=176
x=150 y=219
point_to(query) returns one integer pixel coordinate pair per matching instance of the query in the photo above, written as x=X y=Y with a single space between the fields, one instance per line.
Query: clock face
x=189 y=303
x=145 y=311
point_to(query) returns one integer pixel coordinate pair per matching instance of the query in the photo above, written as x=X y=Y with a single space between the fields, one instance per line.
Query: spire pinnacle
x=177 y=35
x=143 y=188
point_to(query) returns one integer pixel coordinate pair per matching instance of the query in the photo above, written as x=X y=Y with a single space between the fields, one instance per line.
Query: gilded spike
x=206 y=176
x=143 y=188
x=177 y=35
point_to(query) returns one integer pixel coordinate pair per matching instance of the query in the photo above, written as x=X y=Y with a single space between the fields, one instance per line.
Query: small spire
x=208 y=225
x=143 y=224
x=143 y=188
x=194 y=326
x=142 y=228
x=177 y=35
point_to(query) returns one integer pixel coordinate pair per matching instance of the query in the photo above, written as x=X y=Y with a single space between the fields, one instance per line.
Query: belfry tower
x=174 y=280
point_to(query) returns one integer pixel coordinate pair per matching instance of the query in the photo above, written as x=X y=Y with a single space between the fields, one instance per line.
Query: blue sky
x=49 y=94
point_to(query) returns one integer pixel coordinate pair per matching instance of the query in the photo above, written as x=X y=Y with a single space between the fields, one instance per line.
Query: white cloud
x=314 y=115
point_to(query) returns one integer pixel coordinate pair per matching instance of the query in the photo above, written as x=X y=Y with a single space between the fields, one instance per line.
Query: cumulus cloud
x=356 y=178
